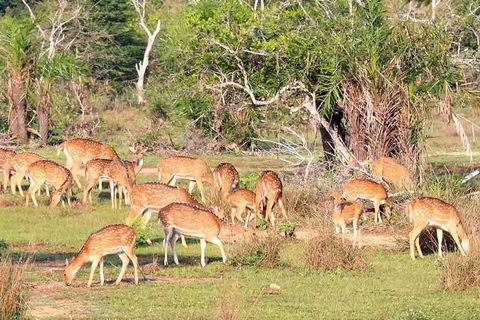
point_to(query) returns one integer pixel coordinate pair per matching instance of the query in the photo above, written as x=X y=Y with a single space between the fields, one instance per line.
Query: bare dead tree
x=141 y=67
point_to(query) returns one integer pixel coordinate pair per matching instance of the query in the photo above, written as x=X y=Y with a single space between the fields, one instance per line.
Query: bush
x=326 y=251
x=461 y=272
x=12 y=302
x=258 y=253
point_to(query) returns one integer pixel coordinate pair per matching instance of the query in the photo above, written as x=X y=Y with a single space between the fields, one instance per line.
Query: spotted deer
x=6 y=157
x=434 y=212
x=114 y=239
x=119 y=176
x=367 y=190
x=389 y=170
x=195 y=170
x=80 y=151
x=190 y=220
x=239 y=201
x=269 y=193
x=20 y=163
x=226 y=178
x=49 y=172
x=344 y=212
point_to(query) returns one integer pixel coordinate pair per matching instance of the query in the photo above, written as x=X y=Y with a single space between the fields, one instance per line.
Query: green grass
x=393 y=287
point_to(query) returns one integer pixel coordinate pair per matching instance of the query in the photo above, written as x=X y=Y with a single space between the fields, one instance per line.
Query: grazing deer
x=195 y=170
x=96 y=170
x=434 y=212
x=80 y=151
x=49 y=172
x=239 y=201
x=367 y=190
x=20 y=163
x=114 y=239
x=391 y=171
x=6 y=157
x=343 y=213
x=226 y=178
x=269 y=193
x=190 y=220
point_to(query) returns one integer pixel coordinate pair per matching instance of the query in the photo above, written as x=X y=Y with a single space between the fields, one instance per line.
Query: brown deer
x=343 y=213
x=239 y=201
x=20 y=163
x=226 y=178
x=114 y=239
x=367 y=190
x=6 y=157
x=190 y=220
x=119 y=176
x=389 y=170
x=49 y=172
x=268 y=194
x=195 y=170
x=80 y=151
x=434 y=212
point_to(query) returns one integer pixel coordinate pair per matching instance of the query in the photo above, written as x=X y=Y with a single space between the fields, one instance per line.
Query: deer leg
x=100 y=182
x=270 y=214
x=355 y=232
x=419 y=249
x=203 y=245
x=378 y=218
x=457 y=241
x=239 y=212
x=125 y=262
x=282 y=207
x=46 y=190
x=440 y=239
x=168 y=235
x=200 y=187
x=69 y=195
x=29 y=193
x=412 y=237
x=173 y=243
x=13 y=183
x=87 y=191
x=233 y=214
x=94 y=266
x=36 y=186
x=19 y=182
x=119 y=190
x=172 y=181
x=131 y=254
x=191 y=186
x=217 y=241
x=184 y=242
x=112 y=194
x=102 y=278
x=6 y=175
x=75 y=169
x=146 y=218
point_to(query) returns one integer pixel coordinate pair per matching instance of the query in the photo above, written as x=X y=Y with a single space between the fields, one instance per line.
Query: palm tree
x=17 y=50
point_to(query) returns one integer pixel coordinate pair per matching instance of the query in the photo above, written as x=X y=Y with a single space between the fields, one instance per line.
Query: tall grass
x=12 y=301
x=258 y=253
x=462 y=272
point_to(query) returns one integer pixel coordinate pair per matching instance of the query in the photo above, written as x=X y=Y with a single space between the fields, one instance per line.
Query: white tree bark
x=141 y=66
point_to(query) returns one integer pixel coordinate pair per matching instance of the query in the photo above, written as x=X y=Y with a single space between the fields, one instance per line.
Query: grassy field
x=392 y=287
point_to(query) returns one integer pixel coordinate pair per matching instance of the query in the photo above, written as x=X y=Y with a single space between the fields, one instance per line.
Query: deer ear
x=66 y=262
x=132 y=149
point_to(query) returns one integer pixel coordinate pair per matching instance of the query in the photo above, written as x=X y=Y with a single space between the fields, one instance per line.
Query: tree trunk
x=17 y=107
x=139 y=86
x=327 y=141
x=43 y=115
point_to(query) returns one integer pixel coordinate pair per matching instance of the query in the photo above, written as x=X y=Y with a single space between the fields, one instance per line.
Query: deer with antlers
x=389 y=170
x=80 y=151
x=434 y=212
x=367 y=190
x=49 y=172
x=345 y=212
x=6 y=157
x=195 y=170
x=269 y=193
x=20 y=163
x=114 y=239
x=97 y=169
x=226 y=178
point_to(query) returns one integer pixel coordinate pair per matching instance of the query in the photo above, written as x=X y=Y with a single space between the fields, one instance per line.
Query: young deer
x=114 y=239
x=344 y=212
x=226 y=178
x=20 y=163
x=119 y=176
x=47 y=171
x=392 y=172
x=80 y=151
x=195 y=170
x=367 y=190
x=269 y=193
x=425 y=212
x=239 y=201
x=190 y=220
x=6 y=157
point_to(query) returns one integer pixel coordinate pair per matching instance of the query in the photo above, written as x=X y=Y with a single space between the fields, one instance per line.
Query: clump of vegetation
x=287 y=227
x=328 y=252
x=12 y=301
x=461 y=272
x=258 y=253
x=229 y=304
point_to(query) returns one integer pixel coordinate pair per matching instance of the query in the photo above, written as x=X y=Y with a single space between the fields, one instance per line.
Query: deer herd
x=182 y=215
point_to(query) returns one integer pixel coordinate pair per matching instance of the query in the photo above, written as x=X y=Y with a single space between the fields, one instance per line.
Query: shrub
x=327 y=251
x=461 y=272
x=12 y=302
x=258 y=253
